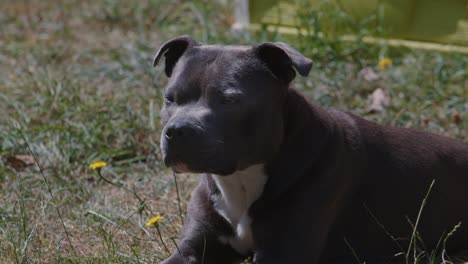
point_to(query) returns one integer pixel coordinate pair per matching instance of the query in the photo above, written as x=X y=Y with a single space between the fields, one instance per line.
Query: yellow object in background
x=384 y=63
x=440 y=21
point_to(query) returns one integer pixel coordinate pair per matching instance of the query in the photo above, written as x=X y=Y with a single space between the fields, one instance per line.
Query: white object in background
x=241 y=16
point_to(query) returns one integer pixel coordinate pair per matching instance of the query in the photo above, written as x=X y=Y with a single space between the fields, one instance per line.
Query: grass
x=76 y=85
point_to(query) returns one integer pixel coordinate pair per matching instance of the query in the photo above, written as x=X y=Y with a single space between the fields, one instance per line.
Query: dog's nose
x=177 y=132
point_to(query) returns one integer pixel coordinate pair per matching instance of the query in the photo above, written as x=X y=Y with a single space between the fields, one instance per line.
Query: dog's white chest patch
x=238 y=191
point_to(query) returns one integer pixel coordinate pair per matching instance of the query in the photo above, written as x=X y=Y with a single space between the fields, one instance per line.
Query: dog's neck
x=308 y=129
x=237 y=192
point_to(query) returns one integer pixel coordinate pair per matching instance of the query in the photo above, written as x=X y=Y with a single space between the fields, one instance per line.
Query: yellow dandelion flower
x=154 y=221
x=97 y=165
x=385 y=63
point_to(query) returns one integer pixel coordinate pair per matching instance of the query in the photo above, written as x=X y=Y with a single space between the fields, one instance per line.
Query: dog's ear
x=172 y=51
x=281 y=59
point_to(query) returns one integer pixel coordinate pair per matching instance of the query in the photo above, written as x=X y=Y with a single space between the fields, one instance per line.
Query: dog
x=287 y=181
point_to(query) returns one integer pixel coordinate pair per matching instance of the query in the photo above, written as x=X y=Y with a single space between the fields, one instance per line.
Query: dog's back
x=403 y=166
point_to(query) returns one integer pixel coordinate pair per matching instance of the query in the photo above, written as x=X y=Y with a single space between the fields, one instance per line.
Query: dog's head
x=223 y=105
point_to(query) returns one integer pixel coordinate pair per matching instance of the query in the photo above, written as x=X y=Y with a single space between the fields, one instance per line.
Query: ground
x=77 y=85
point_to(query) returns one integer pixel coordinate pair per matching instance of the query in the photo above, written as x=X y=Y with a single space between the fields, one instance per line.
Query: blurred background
x=433 y=21
x=77 y=85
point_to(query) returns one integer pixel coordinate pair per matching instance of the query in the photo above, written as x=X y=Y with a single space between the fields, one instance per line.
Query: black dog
x=287 y=181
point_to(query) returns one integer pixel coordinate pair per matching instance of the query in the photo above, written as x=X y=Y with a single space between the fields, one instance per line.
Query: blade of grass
x=423 y=204
x=178 y=196
x=49 y=190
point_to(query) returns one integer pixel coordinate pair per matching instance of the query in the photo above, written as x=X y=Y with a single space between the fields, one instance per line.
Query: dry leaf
x=425 y=120
x=20 y=162
x=378 y=101
x=369 y=74
x=456 y=117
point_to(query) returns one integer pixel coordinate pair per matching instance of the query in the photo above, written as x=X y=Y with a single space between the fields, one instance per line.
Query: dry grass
x=76 y=80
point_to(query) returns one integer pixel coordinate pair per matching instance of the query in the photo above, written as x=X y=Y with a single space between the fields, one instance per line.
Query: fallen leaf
x=378 y=101
x=369 y=74
x=456 y=117
x=230 y=21
x=425 y=120
x=20 y=162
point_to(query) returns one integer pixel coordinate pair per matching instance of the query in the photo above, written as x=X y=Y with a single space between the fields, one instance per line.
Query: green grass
x=76 y=80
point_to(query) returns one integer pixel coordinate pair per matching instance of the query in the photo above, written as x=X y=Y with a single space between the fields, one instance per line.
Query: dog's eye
x=228 y=100
x=168 y=99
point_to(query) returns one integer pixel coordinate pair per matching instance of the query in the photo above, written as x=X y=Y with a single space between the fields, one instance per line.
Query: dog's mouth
x=176 y=164
x=182 y=166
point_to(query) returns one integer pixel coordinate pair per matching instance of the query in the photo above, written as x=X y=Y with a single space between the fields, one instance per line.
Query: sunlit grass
x=76 y=80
